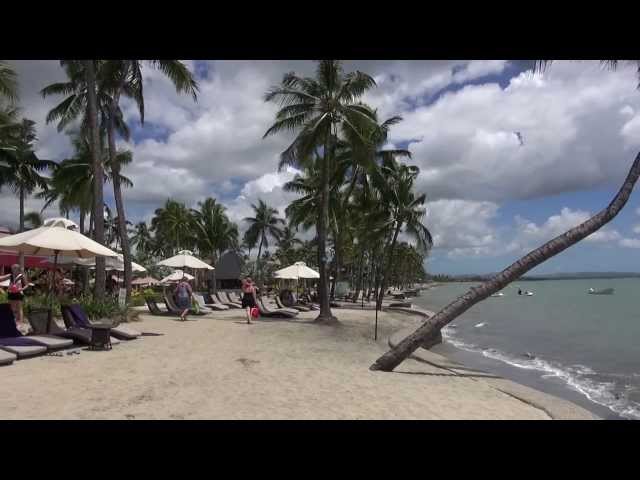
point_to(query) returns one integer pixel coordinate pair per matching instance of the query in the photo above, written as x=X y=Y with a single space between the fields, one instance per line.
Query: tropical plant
x=8 y=82
x=142 y=240
x=124 y=77
x=33 y=220
x=172 y=226
x=21 y=169
x=320 y=109
x=263 y=225
x=213 y=231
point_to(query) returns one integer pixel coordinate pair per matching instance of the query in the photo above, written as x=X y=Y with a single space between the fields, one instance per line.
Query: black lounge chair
x=12 y=341
x=280 y=312
x=80 y=319
x=80 y=335
x=213 y=303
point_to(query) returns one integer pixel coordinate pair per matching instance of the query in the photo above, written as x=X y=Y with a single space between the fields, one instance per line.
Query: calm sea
x=585 y=348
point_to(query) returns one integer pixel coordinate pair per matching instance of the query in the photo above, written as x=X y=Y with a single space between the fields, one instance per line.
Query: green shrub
x=40 y=301
x=107 y=308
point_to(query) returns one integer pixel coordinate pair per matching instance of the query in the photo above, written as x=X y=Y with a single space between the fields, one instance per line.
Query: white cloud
x=630 y=243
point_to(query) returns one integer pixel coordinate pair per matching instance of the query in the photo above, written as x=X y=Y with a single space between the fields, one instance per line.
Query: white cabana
x=185 y=259
x=61 y=222
x=296 y=271
x=176 y=277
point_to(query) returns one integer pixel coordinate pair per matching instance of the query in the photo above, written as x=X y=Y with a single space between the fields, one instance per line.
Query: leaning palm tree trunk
x=406 y=347
x=98 y=215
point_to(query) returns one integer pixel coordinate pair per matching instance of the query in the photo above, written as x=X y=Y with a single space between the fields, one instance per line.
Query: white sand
x=221 y=368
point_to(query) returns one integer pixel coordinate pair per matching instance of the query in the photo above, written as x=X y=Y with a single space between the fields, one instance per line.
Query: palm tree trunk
x=98 y=216
x=21 y=256
x=433 y=325
x=117 y=188
x=82 y=218
x=325 y=308
x=386 y=272
x=259 y=273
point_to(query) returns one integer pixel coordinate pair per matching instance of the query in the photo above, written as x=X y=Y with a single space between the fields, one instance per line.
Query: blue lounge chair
x=80 y=319
x=11 y=340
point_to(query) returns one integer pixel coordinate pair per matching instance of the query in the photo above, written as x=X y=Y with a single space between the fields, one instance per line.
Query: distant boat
x=604 y=291
x=499 y=294
x=528 y=294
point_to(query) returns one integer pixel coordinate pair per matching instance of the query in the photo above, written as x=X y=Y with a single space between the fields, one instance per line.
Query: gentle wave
x=601 y=393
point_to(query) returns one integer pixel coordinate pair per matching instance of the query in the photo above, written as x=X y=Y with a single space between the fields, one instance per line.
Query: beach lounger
x=155 y=309
x=231 y=299
x=213 y=303
x=24 y=351
x=9 y=333
x=299 y=308
x=280 y=312
x=81 y=320
x=80 y=335
x=171 y=307
x=225 y=300
x=201 y=304
x=7 y=358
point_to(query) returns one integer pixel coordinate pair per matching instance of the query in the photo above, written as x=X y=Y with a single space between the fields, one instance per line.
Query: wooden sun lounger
x=220 y=300
x=299 y=308
x=281 y=312
x=231 y=300
x=213 y=303
x=79 y=335
x=201 y=305
x=11 y=336
x=174 y=309
x=79 y=319
x=7 y=358
x=154 y=309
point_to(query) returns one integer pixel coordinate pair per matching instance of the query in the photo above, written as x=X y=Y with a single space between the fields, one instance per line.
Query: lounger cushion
x=124 y=332
x=7 y=358
x=24 y=351
x=52 y=342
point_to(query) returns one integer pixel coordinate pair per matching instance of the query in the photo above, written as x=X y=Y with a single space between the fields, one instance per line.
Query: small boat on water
x=499 y=294
x=604 y=291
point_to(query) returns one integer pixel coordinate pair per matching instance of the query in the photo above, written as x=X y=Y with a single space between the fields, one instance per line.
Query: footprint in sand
x=247 y=362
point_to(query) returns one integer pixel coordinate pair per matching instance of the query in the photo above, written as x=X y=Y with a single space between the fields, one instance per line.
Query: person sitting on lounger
x=182 y=295
x=248 y=296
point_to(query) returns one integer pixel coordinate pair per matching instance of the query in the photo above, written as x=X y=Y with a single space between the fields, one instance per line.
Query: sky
x=508 y=158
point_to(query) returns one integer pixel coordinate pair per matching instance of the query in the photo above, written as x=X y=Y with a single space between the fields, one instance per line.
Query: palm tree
x=22 y=169
x=33 y=219
x=213 y=230
x=319 y=109
x=142 y=239
x=286 y=246
x=396 y=181
x=172 y=225
x=430 y=328
x=124 y=77
x=263 y=225
x=8 y=82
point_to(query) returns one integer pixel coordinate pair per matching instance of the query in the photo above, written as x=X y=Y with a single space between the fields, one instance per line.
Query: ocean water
x=585 y=348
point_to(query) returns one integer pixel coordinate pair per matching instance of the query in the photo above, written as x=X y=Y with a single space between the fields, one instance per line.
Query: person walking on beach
x=17 y=284
x=248 y=297
x=183 y=294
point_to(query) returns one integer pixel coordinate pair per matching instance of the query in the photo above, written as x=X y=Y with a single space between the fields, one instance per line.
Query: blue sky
x=491 y=196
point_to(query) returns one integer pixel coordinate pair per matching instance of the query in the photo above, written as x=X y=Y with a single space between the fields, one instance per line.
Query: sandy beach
x=218 y=367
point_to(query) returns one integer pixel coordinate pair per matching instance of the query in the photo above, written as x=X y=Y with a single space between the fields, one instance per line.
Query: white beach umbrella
x=144 y=281
x=296 y=271
x=113 y=263
x=176 y=277
x=185 y=259
x=53 y=240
